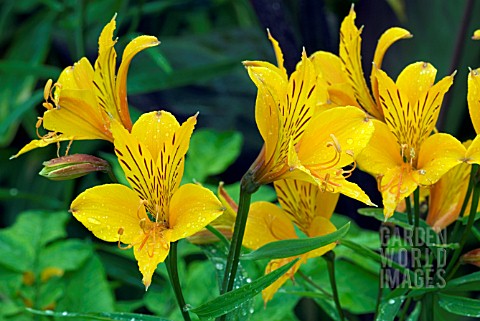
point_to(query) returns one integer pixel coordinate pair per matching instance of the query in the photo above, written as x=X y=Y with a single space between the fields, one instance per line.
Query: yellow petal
x=472 y=156
x=135 y=46
x=112 y=212
x=36 y=143
x=476 y=34
x=140 y=169
x=330 y=67
x=321 y=226
x=350 y=44
x=416 y=79
x=298 y=200
x=270 y=86
x=77 y=116
x=446 y=197
x=395 y=185
x=172 y=157
x=387 y=39
x=438 y=154
x=267 y=223
x=278 y=53
x=327 y=203
x=273 y=265
x=151 y=252
x=153 y=129
x=473 y=98
x=191 y=209
x=382 y=152
x=411 y=109
x=104 y=77
x=341 y=130
x=78 y=76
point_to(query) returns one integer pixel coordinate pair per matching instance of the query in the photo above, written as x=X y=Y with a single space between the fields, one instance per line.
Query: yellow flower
x=402 y=153
x=155 y=210
x=301 y=142
x=302 y=204
x=344 y=73
x=86 y=98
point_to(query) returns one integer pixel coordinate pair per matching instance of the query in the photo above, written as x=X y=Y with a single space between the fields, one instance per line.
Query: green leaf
x=211 y=153
x=464 y=219
x=463 y=280
x=360 y=249
x=103 y=316
x=90 y=283
x=67 y=255
x=20 y=243
x=389 y=309
x=288 y=248
x=416 y=312
x=230 y=301
x=459 y=305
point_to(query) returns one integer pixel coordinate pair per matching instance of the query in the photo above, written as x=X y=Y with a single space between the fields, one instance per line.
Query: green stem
x=416 y=207
x=171 y=264
x=408 y=204
x=247 y=188
x=330 y=258
x=456 y=229
x=79 y=38
x=468 y=228
x=383 y=247
x=219 y=235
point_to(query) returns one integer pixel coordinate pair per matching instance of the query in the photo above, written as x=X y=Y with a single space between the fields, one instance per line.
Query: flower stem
x=471 y=184
x=247 y=188
x=471 y=219
x=330 y=258
x=416 y=207
x=408 y=204
x=171 y=264
x=313 y=284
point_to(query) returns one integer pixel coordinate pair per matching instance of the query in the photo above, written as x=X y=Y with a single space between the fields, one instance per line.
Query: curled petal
x=37 y=143
x=472 y=156
x=135 y=46
x=387 y=39
x=273 y=265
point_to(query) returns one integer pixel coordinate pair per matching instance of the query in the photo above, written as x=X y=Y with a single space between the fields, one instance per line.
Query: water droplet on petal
x=93 y=220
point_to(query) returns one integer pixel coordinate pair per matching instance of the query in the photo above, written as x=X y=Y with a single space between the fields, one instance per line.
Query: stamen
x=120 y=233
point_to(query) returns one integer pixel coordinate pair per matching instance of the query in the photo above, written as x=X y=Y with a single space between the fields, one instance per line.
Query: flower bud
x=73 y=166
x=472 y=257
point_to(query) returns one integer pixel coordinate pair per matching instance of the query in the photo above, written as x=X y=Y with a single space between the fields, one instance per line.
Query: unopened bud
x=73 y=166
x=472 y=257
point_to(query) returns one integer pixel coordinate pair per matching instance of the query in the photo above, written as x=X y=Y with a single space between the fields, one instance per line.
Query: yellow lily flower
x=302 y=204
x=344 y=73
x=86 y=98
x=402 y=154
x=301 y=142
x=155 y=211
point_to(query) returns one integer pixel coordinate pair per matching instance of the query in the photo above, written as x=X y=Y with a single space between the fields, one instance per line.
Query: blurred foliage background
x=48 y=260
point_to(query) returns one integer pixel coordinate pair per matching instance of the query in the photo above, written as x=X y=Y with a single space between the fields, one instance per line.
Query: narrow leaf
x=294 y=247
x=389 y=309
x=231 y=300
x=459 y=305
x=104 y=316
x=470 y=278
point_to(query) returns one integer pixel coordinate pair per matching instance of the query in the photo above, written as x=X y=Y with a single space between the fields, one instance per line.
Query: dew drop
x=391 y=301
x=93 y=220
x=219 y=266
x=350 y=141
